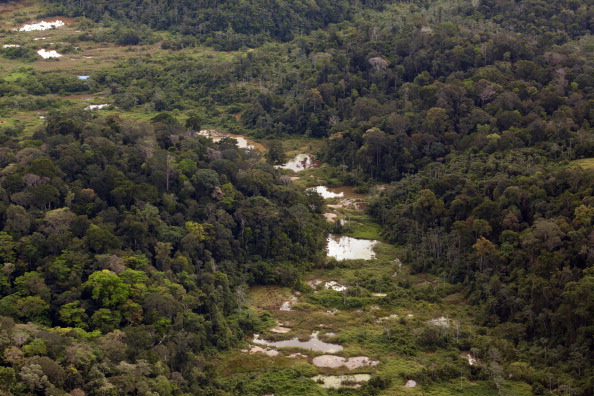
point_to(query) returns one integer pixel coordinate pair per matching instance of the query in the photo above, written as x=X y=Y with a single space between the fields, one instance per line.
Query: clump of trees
x=128 y=248
x=518 y=236
x=228 y=25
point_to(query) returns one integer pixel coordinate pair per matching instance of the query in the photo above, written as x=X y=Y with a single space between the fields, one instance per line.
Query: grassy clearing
x=301 y=145
x=268 y=297
x=392 y=329
x=586 y=163
x=84 y=58
x=361 y=226
x=393 y=325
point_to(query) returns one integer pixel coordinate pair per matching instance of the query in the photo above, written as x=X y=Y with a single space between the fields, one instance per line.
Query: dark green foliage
x=144 y=251
x=471 y=112
x=276 y=153
x=516 y=234
x=228 y=24
x=22 y=53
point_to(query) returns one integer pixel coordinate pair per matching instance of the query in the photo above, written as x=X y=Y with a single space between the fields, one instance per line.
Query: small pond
x=301 y=162
x=333 y=361
x=344 y=247
x=314 y=343
x=242 y=141
x=326 y=193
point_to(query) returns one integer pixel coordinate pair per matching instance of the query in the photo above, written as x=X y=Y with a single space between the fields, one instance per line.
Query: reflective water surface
x=242 y=141
x=333 y=361
x=301 y=162
x=314 y=343
x=326 y=192
x=344 y=247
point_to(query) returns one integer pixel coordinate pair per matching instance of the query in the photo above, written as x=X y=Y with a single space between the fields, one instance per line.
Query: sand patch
x=45 y=54
x=440 y=322
x=257 y=349
x=410 y=384
x=334 y=286
x=286 y=305
x=331 y=217
x=280 y=330
x=96 y=107
x=472 y=361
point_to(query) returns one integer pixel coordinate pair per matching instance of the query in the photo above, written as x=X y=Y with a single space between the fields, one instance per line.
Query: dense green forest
x=519 y=235
x=129 y=244
x=226 y=24
x=145 y=228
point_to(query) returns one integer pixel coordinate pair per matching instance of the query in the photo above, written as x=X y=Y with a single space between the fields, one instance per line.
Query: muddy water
x=314 y=343
x=343 y=248
x=242 y=141
x=326 y=192
x=348 y=192
x=338 y=192
x=339 y=381
x=333 y=361
x=301 y=162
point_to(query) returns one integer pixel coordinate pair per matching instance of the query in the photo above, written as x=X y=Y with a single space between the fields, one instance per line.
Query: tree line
x=128 y=248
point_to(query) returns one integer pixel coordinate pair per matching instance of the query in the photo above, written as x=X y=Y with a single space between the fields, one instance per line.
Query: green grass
x=586 y=163
x=362 y=227
x=15 y=75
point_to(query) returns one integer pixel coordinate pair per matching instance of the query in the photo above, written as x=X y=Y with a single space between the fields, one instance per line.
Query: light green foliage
x=73 y=315
x=108 y=288
x=197 y=230
x=35 y=347
x=475 y=118
x=7 y=378
x=32 y=308
x=106 y=320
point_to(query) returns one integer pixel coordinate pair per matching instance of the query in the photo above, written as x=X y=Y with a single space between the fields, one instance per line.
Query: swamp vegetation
x=146 y=250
